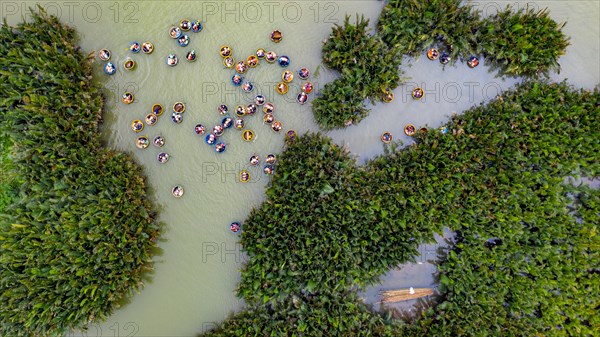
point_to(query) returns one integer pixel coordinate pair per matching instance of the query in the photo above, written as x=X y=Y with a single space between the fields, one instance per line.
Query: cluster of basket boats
x=235 y=119
x=418 y=93
x=229 y=118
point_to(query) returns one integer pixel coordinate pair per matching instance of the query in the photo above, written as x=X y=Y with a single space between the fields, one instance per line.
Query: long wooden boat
x=390 y=296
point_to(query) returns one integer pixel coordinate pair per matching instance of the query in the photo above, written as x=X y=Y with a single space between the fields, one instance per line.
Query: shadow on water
x=418 y=307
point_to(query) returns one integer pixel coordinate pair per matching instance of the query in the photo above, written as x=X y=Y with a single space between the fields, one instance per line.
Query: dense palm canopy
x=525 y=256
x=76 y=227
x=524 y=259
x=77 y=230
x=523 y=43
x=368 y=68
x=412 y=25
x=334 y=314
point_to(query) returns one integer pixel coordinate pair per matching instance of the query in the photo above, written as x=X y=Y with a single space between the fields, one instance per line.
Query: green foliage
x=525 y=43
x=350 y=45
x=523 y=262
x=413 y=25
x=77 y=237
x=7 y=180
x=323 y=227
x=338 y=104
x=315 y=316
x=525 y=257
x=368 y=70
x=539 y=280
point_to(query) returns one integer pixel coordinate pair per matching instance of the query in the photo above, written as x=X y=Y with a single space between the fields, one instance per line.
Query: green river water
x=198 y=268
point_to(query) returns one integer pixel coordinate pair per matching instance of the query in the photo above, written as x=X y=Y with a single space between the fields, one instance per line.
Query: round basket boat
x=225 y=51
x=129 y=64
x=210 y=139
x=199 y=129
x=388 y=97
x=235 y=227
x=159 y=141
x=177 y=118
x=162 y=157
x=386 y=137
x=254 y=160
x=271 y=56
x=179 y=107
x=302 y=98
x=151 y=119
x=228 y=62
x=291 y=134
x=142 y=142
x=282 y=88
x=220 y=147
x=127 y=98
x=268 y=108
x=135 y=47
x=417 y=93
x=276 y=126
x=445 y=58
x=473 y=62
x=241 y=67
x=252 y=61
x=271 y=159
x=251 y=109
x=104 y=54
x=191 y=56
x=307 y=87
x=237 y=80
x=283 y=61
x=109 y=68
x=137 y=126
x=175 y=32
x=239 y=123
x=259 y=100
x=147 y=47
x=196 y=26
x=410 y=130
x=244 y=176
x=269 y=169
x=433 y=54
x=268 y=118
x=177 y=191
x=240 y=111
x=227 y=122
x=218 y=130
x=287 y=76
x=183 y=40
x=303 y=73
x=424 y=131
x=276 y=36
x=185 y=25
x=248 y=135
x=260 y=53
x=172 y=60
x=222 y=109
x=248 y=86
x=157 y=109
